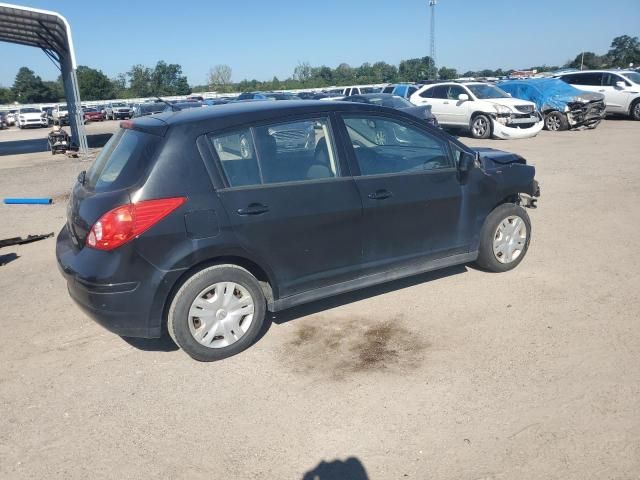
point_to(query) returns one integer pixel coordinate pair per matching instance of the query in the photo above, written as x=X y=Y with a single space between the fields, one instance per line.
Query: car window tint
x=454 y=91
x=411 y=91
x=388 y=89
x=590 y=78
x=611 y=80
x=428 y=93
x=382 y=145
x=121 y=161
x=440 y=91
x=295 y=151
x=237 y=157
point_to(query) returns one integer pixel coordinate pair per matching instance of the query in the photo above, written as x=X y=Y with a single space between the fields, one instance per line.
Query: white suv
x=621 y=88
x=30 y=117
x=481 y=108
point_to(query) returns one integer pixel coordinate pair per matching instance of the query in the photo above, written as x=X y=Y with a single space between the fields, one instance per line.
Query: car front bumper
x=511 y=132
x=118 y=289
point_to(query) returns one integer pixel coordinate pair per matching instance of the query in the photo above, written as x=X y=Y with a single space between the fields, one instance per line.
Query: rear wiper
x=174 y=108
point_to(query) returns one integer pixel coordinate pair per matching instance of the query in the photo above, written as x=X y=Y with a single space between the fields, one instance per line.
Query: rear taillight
x=123 y=223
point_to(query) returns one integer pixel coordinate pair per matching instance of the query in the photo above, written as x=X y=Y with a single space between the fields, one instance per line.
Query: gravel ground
x=460 y=374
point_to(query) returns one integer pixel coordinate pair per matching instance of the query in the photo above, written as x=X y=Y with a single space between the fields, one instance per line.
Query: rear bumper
x=125 y=295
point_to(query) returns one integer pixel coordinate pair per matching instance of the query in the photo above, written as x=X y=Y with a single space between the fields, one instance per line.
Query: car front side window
x=384 y=145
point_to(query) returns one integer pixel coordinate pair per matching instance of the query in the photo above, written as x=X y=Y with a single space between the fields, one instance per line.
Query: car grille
x=525 y=108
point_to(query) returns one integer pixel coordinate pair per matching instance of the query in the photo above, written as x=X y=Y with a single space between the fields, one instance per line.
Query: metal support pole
x=76 y=120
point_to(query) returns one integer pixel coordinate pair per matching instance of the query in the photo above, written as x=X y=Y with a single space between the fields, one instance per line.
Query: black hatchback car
x=202 y=220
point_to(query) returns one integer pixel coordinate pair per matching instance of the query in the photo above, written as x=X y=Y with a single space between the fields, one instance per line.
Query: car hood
x=31 y=115
x=492 y=158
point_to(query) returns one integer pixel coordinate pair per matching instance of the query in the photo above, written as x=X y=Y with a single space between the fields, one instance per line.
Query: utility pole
x=582 y=60
x=432 y=6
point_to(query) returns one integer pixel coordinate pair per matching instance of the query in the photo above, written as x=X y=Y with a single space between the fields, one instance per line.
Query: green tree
x=54 y=91
x=384 y=73
x=587 y=60
x=93 y=84
x=140 y=81
x=344 y=74
x=415 y=69
x=6 y=95
x=624 y=50
x=167 y=79
x=447 y=73
x=28 y=87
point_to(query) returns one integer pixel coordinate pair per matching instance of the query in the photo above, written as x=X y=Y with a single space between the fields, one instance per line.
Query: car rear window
x=122 y=160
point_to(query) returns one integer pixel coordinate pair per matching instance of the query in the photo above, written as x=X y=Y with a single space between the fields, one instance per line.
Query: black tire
x=178 y=315
x=556 y=121
x=634 y=111
x=487 y=259
x=480 y=126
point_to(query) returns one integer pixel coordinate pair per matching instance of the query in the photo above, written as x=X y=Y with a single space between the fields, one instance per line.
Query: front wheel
x=504 y=238
x=217 y=313
x=481 y=126
x=556 y=121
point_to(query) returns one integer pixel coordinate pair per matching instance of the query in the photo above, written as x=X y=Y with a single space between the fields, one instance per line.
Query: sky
x=261 y=39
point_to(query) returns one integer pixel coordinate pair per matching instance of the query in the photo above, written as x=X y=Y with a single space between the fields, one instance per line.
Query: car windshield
x=487 y=91
x=633 y=76
x=118 y=104
x=90 y=110
x=29 y=110
x=62 y=108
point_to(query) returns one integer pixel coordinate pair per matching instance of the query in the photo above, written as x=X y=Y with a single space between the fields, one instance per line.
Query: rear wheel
x=504 y=238
x=556 y=121
x=218 y=312
x=635 y=110
x=481 y=126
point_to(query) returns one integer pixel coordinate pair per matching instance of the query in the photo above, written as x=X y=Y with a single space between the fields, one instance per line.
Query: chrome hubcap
x=509 y=239
x=553 y=122
x=637 y=110
x=221 y=314
x=479 y=126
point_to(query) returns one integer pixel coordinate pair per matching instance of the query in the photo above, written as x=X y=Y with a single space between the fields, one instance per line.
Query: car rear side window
x=283 y=152
x=387 y=145
x=122 y=160
x=237 y=156
x=587 y=78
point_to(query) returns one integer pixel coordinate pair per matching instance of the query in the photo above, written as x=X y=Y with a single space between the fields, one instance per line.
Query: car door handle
x=253 y=209
x=380 y=195
x=446 y=103
x=601 y=90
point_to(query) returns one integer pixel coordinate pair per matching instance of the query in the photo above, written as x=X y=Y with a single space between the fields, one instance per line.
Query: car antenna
x=173 y=107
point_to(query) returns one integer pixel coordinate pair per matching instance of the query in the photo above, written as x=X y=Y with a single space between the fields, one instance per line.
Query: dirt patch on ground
x=354 y=345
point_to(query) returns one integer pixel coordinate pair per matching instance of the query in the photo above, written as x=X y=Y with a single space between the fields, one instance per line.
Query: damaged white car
x=481 y=108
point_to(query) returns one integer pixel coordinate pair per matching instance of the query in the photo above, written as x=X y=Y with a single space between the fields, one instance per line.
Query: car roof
x=596 y=71
x=250 y=111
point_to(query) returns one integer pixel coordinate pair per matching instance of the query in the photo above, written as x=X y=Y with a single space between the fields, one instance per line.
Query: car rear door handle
x=380 y=195
x=253 y=209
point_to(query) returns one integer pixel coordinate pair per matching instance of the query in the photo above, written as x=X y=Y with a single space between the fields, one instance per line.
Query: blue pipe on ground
x=28 y=201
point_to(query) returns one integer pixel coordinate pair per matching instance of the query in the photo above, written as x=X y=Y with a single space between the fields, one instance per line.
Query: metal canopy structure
x=50 y=32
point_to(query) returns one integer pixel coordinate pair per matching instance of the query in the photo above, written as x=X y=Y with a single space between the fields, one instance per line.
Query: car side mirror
x=463 y=97
x=621 y=84
x=466 y=162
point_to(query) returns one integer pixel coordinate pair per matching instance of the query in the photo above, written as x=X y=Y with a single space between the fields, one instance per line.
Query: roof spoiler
x=154 y=126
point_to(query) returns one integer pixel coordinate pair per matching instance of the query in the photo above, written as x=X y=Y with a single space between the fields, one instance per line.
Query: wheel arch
x=266 y=281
